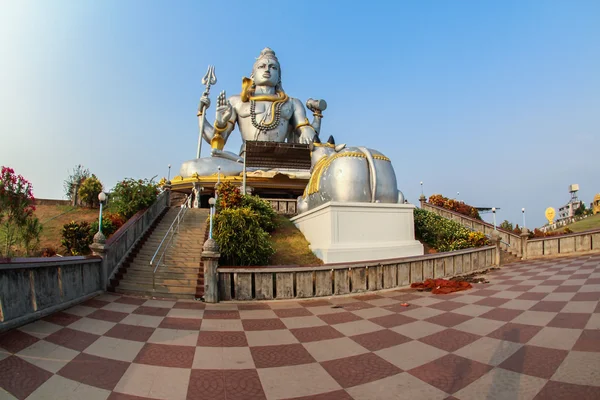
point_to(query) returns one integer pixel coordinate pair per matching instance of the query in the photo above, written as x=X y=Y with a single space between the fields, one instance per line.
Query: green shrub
x=108 y=228
x=229 y=196
x=130 y=196
x=30 y=235
x=240 y=237
x=76 y=238
x=266 y=214
x=444 y=234
x=89 y=191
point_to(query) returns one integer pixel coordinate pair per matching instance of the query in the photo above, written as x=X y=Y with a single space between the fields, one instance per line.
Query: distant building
x=567 y=212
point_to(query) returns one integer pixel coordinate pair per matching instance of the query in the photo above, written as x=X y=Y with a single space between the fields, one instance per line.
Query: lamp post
x=421 y=188
x=169 y=175
x=494 y=212
x=523 y=211
x=457 y=195
x=99 y=237
x=211 y=202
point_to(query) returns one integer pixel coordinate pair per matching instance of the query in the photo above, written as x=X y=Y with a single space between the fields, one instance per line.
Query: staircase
x=180 y=273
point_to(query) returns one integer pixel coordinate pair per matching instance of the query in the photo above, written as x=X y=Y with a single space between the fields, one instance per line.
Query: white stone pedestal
x=347 y=232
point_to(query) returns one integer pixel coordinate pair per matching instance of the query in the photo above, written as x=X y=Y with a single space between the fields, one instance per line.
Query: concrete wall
x=564 y=244
x=285 y=282
x=31 y=288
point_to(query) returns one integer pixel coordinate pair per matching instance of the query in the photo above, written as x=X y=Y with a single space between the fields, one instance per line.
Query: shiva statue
x=262 y=112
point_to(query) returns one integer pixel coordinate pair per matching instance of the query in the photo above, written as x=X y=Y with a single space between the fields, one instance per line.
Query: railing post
x=167 y=188
x=524 y=238
x=495 y=238
x=422 y=200
x=210 y=259
x=99 y=249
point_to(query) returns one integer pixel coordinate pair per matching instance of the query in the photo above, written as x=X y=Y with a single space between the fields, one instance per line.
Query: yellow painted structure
x=550 y=214
x=596 y=204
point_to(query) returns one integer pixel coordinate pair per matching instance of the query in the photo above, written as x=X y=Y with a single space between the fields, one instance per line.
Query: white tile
x=48 y=356
x=116 y=349
x=165 y=383
x=58 y=387
x=400 y=386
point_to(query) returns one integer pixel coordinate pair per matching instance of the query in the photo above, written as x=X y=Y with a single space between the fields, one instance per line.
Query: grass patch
x=53 y=217
x=589 y=223
x=290 y=245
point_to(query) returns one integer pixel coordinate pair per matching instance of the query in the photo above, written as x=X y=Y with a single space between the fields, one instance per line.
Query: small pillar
x=524 y=239
x=422 y=200
x=495 y=238
x=210 y=259
x=167 y=187
x=75 y=195
x=99 y=249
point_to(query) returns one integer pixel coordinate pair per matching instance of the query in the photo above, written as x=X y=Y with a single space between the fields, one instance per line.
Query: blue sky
x=496 y=100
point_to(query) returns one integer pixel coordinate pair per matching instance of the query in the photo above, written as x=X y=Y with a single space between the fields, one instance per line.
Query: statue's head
x=266 y=70
x=318 y=150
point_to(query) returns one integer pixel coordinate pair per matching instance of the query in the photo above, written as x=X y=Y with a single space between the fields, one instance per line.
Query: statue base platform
x=349 y=232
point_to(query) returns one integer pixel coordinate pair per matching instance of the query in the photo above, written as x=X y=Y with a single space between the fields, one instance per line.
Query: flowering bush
x=229 y=196
x=130 y=196
x=89 y=191
x=18 y=225
x=454 y=205
x=445 y=235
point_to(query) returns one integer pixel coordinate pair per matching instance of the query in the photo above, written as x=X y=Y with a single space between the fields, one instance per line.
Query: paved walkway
x=533 y=332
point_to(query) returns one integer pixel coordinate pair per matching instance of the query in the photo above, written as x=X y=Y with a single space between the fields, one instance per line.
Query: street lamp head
x=523 y=209
x=211 y=201
x=421 y=183
x=493 y=209
x=102 y=197
x=169 y=165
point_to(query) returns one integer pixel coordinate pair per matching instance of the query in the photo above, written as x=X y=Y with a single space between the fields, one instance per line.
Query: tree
x=506 y=225
x=130 y=196
x=580 y=210
x=79 y=174
x=89 y=191
x=16 y=209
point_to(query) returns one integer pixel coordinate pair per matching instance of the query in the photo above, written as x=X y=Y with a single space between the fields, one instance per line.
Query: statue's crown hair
x=267 y=52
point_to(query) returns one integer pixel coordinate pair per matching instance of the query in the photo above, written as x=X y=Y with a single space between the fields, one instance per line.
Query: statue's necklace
x=278 y=102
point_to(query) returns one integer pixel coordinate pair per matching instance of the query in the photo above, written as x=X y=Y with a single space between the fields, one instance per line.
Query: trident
x=208 y=80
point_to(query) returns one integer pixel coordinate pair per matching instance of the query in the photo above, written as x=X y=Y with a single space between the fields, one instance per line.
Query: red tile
x=515 y=332
x=567 y=391
x=450 y=339
x=95 y=303
x=337 y=395
x=449 y=319
x=398 y=308
x=181 y=323
x=188 y=305
x=532 y=296
x=570 y=320
x=367 y=297
x=339 y=318
x=152 y=311
x=485 y=293
x=123 y=396
x=130 y=332
x=536 y=361
x=95 y=371
x=222 y=339
x=315 y=303
x=451 y=373
x=359 y=305
x=20 y=378
x=357 y=370
x=520 y=288
x=316 y=333
x=378 y=340
x=239 y=384
x=15 y=340
x=390 y=321
x=492 y=301
x=221 y=314
x=588 y=341
x=550 y=306
x=593 y=281
x=502 y=314
x=164 y=355
x=403 y=296
x=254 y=306
x=567 y=289
x=268 y=324
x=131 y=300
x=280 y=355
x=72 y=339
x=61 y=318
x=293 y=312
x=447 y=305
x=106 y=315
x=586 y=296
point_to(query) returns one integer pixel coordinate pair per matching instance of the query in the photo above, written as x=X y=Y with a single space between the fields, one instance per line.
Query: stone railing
x=286 y=282
x=118 y=246
x=562 y=244
x=283 y=206
x=510 y=242
x=31 y=288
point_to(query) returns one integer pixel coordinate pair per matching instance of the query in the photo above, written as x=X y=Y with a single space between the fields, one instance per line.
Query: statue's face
x=266 y=73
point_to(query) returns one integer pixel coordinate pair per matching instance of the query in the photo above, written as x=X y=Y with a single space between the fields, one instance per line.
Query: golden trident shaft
x=208 y=80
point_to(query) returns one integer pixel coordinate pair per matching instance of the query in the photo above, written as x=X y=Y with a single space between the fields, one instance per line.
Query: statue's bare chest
x=264 y=109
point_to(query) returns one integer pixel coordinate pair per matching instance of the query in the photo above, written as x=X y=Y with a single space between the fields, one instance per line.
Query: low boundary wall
x=563 y=244
x=31 y=288
x=287 y=282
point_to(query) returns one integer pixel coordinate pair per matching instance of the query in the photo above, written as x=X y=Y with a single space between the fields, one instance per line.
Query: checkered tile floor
x=533 y=332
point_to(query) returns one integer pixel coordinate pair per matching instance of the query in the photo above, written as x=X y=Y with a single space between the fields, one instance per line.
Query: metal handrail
x=173 y=229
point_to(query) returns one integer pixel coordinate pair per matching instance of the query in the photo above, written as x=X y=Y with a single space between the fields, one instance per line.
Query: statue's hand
x=224 y=110
x=204 y=103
